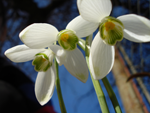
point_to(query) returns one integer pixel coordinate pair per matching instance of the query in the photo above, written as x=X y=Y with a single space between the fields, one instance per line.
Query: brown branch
x=143 y=74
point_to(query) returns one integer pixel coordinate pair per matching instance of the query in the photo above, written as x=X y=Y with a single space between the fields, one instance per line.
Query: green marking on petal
x=97 y=71
x=41 y=62
x=44 y=55
x=67 y=39
x=81 y=77
x=111 y=30
x=44 y=98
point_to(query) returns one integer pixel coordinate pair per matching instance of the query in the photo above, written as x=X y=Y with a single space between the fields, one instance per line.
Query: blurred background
x=134 y=58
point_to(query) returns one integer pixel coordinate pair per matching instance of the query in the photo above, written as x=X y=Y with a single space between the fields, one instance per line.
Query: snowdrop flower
x=43 y=62
x=37 y=37
x=132 y=27
x=42 y=35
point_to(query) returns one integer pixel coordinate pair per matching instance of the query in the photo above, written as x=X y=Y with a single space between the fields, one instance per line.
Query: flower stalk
x=99 y=93
x=96 y=84
x=60 y=98
x=111 y=95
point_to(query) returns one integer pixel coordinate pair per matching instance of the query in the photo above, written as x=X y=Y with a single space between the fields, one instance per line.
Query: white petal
x=137 y=28
x=82 y=27
x=60 y=54
x=94 y=10
x=22 y=53
x=75 y=63
x=38 y=35
x=101 y=58
x=44 y=85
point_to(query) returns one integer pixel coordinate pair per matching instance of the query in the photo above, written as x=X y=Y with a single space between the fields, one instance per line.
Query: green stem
x=111 y=95
x=99 y=92
x=96 y=84
x=60 y=98
x=82 y=44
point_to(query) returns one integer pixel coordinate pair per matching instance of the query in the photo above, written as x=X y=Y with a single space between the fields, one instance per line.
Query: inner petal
x=43 y=61
x=67 y=39
x=111 y=30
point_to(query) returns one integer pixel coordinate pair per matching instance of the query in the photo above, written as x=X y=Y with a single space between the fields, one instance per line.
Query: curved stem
x=60 y=98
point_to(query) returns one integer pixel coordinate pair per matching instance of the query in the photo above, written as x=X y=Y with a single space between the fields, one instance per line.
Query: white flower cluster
x=39 y=39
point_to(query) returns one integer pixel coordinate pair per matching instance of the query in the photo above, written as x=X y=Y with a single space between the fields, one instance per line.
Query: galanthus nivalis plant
x=38 y=39
x=132 y=27
x=40 y=45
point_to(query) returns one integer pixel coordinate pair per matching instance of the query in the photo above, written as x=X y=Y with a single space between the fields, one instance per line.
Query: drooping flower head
x=132 y=27
x=38 y=39
x=43 y=62
x=44 y=35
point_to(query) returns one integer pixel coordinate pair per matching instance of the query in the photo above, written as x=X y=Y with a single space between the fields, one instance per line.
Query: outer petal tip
x=43 y=100
x=75 y=63
x=82 y=77
x=38 y=35
x=137 y=28
x=21 y=53
x=5 y=53
x=22 y=33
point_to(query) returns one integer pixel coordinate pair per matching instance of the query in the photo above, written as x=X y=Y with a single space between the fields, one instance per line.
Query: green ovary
x=111 y=30
x=67 y=39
